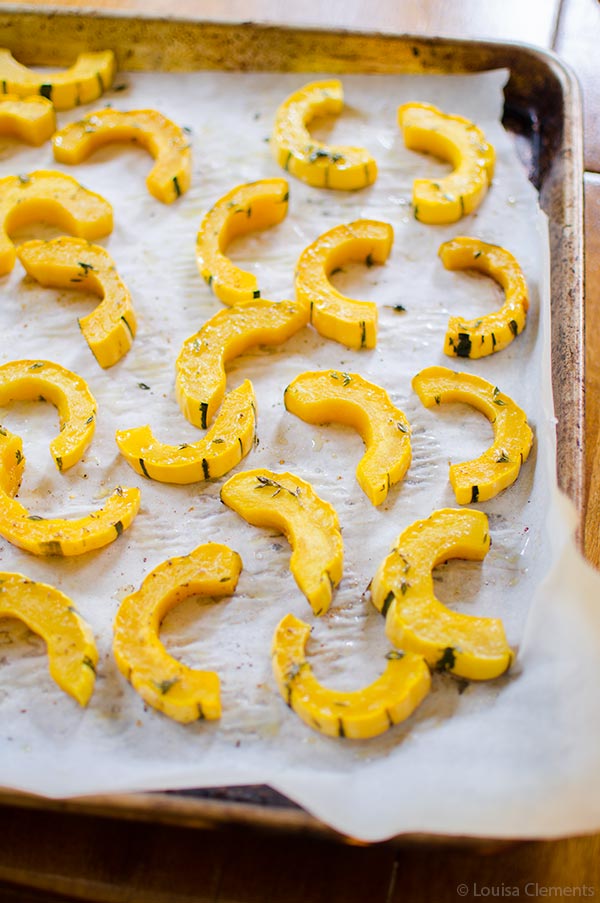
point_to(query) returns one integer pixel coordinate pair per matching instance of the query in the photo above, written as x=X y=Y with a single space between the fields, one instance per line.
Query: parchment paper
x=517 y=756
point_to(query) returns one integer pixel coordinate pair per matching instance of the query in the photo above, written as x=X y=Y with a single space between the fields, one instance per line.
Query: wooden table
x=49 y=856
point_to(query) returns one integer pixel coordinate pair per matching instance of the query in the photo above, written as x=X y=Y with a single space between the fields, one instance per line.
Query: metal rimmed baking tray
x=542 y=111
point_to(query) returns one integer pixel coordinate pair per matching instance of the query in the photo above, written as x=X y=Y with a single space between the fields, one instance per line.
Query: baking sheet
x=515 y=756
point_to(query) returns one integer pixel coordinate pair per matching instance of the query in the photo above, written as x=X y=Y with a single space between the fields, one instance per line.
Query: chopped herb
x=88 y=663
x=387 y=602
x=256 y=293
x=321 y=154
x=285 y=198
x=394 y=655
x=402 y=426
x=215 y=442
x=399 y=307
x=143 y=386
x=24 y=179
x=37 y=366
x=463 y=349
x=437 y=399
x=447 y=661
x=337 y=270
x=86 y=267
x=278 y=487
x=476 y=254
x=90 y=419
x=495 y=398
x=404 y=586
x=34 y=517
x=503 y=457
x=19 y=456
x=165 y=685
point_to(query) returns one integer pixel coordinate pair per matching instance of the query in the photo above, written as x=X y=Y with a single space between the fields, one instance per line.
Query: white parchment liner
x=516 y=756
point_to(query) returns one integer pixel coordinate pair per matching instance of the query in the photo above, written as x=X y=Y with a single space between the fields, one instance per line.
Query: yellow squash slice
x=499 y=466
x=247 y=208
x=72 y=654
x=45 y=381
x=402 y=590
x=318 y=164
x=477 y=338
x=184 y=694
x=87 y=79
x=287 y=503
x=167 y=142
x=52 y=197
x=31 y=119
x=332 y=396
x=461 y=143
x=75 y=263
x=56 y=536
x=358 y=714
x=226 y=443
x=352 y=323
x=200 y=368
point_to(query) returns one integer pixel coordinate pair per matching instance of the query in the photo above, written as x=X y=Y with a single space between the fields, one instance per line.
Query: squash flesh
x=402 y=589
x=72 y=653
x=332 y=396
x=287 y=503
x=460 y=142
x=33 y=380
x=86 y=80
x=200 y=367
x=357 y=714
x=499 y=466
x=31 y=119
x=169 y=178
x=230 y=438
x=318 y=164
x=67 y=262
x=351 y=322
x=183 y=694
x=247 y=208
x=50 y=197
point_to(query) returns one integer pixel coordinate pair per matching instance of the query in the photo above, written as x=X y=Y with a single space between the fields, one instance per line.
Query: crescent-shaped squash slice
x=167 y=142
x=86 y=80
x=72 y=654
x=287 y=503
x=200 y=368
x=318 y=164
x=352 y=323
x=45 y=381
x=499 y=466
x=402 y=590
x=461 y=143
x=52 y=197
x=56 y=536
x=226 y=443
x=75 y=263
x=327 y=396
x=31 y=119
x=247 y=208
x=358 y=714
x=477 y=338
x=184 y=694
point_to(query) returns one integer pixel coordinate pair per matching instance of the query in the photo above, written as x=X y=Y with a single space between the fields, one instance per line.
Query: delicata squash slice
x=75 y=263
x=318 y=164
x=200 y=368
x=72 y=654
x=226 y=443
x=486 y=335
x=402 y=590
x=460 y=142
x=56 y=536
x=334 y=316
x=182 y=693
x=167 y=142
x=31 y=119
x=42 y=380
x=499 y=466
x=332 y=396
x=289 y=504
x=358 y=714
x=86 y=80
x=246 y=208
x=52 y=197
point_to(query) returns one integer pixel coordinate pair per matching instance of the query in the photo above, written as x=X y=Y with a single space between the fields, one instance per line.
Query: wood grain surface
x=50 y=856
